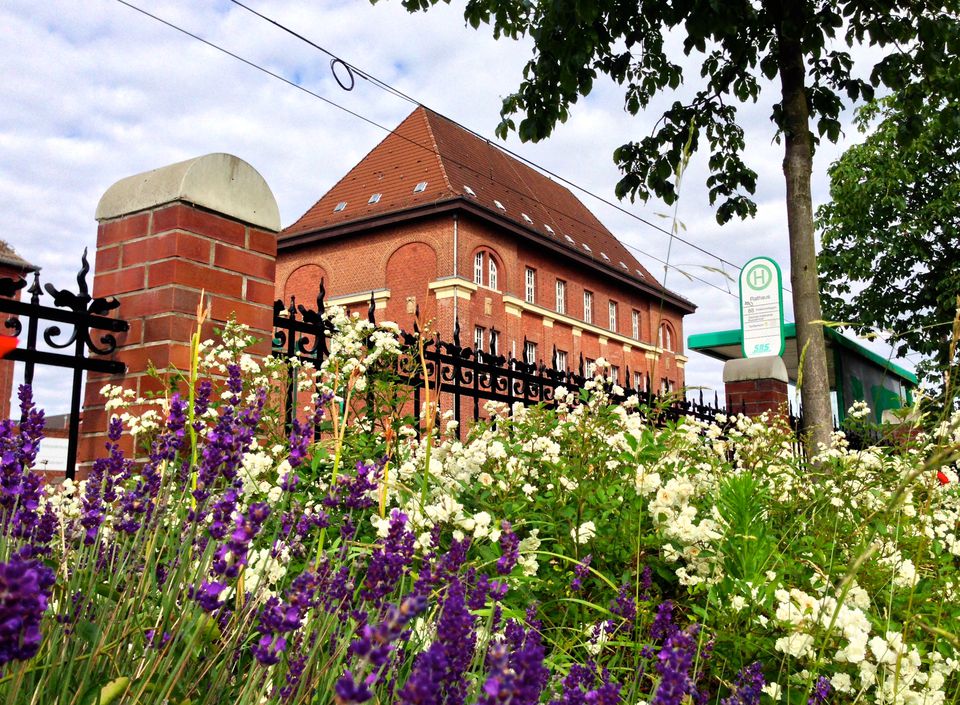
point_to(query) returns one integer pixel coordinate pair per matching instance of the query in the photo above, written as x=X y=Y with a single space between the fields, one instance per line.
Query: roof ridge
x=436 y=148
x=434 y=151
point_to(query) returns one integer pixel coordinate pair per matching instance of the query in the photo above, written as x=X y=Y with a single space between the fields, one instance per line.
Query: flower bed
x=567 y=555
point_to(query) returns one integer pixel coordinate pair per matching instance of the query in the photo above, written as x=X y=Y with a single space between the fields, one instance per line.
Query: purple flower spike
x=208 y=595
x=625 y=607
x=747 y=686
x=663 y=626
x=674 y=662
x=821 y=692
x=20 y=487
x=439 y=673
x=24 y=591
x=389 y=559
x=580 y=571
x=348 y=691
x=300 y=436
x=510 y=549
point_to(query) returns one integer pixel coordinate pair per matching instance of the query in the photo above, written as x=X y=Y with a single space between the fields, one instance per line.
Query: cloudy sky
x=94 y=91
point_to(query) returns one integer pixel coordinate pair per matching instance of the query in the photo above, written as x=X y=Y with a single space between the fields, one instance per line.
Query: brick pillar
x=755 y=385
x=205 y=226
x=11 y=267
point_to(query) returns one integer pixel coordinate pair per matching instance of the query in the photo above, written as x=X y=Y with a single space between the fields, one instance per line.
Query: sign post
x=761 y=308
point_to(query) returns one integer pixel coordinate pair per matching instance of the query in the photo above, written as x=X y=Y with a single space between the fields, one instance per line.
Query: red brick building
x=437 y=218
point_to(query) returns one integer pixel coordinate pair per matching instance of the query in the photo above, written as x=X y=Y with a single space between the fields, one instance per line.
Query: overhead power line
x=390 y=131
x=390 y=89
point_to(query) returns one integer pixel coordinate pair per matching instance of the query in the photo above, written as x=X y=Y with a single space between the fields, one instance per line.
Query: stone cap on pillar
x=745 y=369
x=219 y=182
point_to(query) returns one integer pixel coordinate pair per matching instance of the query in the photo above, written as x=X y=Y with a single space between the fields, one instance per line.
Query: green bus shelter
x=855 y=373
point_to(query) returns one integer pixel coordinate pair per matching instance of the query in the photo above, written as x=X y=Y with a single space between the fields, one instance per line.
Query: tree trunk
x=797 y=166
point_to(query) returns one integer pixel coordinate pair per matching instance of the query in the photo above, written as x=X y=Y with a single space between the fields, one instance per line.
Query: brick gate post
x=754 y=385
x=204 y=226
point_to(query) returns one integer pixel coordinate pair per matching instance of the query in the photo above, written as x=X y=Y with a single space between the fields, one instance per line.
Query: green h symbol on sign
x=759 y=277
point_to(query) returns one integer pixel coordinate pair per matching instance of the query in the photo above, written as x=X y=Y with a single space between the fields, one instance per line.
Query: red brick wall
x=755 y=396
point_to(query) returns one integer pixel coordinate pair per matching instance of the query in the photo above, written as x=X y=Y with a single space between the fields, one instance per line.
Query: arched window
x=485 y=265
x=665 y=338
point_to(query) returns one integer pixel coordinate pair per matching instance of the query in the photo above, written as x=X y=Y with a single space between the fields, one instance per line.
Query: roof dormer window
x=469 y=191
x=420 y=187
x=548 y=229
x=375 y=198
x=527 y=218
x=499 y=205
x=569 y=239
x=604 y=255
x=624 y=265
x=587 y=247
x=340 y=206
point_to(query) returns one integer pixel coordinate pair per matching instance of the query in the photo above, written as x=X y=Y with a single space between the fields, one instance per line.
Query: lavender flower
x=583 y=686
x=439 y=673
x=526 y=661
x=20 y=487
x=389 y=559
x=374 y=644
x=102 y=481
x=277 y=618
x=24 y=590
x=646 y=583
x=663 y=626
x=348 y=691
x=208 y=595
x=747 y=686
x=821 y=692
x=499 y=686
x=580 y=571
x=674 y=663
x=625 y=607
x=353 y=491
x=230 y=556
x=509 y=548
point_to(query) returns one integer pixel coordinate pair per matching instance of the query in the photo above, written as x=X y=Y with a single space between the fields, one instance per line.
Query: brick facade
x=409 y=220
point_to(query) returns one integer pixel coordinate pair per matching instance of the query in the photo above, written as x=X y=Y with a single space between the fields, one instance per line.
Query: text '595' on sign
x=761 y=308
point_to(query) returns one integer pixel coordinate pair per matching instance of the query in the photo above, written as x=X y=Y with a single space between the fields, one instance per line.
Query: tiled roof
x=9 y=256
x=458 y=165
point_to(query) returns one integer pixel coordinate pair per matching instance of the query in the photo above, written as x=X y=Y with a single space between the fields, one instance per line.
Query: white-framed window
x=530 y=291
x=560 y=362
x=638 y=381
x=612 y=310
x=664 y=385
x=495 y=342
x=478 y=338
x=561 y=296
x=492 y=273
x=588 y=306
x=635 y=324
x=478 y=268
x=615 y=374
x=530 y=353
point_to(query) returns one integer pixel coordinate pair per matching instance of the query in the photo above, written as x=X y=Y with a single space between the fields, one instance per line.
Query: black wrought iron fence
x=464 y=378
x=71 y=323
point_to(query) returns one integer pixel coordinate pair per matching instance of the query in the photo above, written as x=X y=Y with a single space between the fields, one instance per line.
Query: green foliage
x=737 y=44
x=890 y=256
